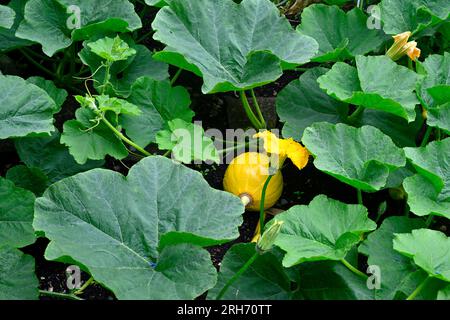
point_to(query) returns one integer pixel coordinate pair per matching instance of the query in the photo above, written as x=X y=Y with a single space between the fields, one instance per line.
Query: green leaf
x=264 y=280
x=32 y=179
x=307 y=234
x=429 y=192
x=412 y=15
x=328 y=280
x=444 y=294
x=88 y=138
x=156 y=3
x=51 y=157
x=8 y=39
x=118 y=227
x=302 y=103
x=361 y=157
x=7 y=16
x=159 y=103
x=112 y=49
x=17 y=278
x=187 y=142
x=438 y=117
x=116 y=105
x=398 y=276
x=437 y=79
x=26 y=108
x=429 y=249
x=340 y=35
x=16 y=215
x=58 y=95
x=232 y=45
x=377 y=83
x=48 y=21
x=124 y=74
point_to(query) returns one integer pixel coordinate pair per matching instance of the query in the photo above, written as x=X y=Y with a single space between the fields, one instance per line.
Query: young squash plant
x=87 y=85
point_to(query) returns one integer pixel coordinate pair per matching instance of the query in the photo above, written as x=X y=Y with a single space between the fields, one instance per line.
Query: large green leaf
x=439 y=117
x=231 y=45
x=361 y=157
x=376 y=82
x=7 y=17
x=124 y=74
x=159 y=103
x=302 y=103
x=119 y=227
x=24 y=108
x=17 y=278
x=8 y=39
x=429 y=249
x=264 y=280
x=398 y=276
x=88 y=139
x=16 y=215
x=329 y=280
x=47 y=21
x=412 y=15
x=51 y=157
x=429 y=191
x=308 y=235
x=340 y=35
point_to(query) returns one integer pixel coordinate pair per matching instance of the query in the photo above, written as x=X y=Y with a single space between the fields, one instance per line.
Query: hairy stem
x=353 y=269
x=258 y=109
x=248 y=110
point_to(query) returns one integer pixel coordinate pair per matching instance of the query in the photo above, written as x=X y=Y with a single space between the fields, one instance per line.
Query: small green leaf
x=187 y=142
x=232 y=46
x=340 y=35
x=361 y=157
x=32 y=179
x=112 y=49
x=307 y=235
x=159 y=103
x=376 y=83
x=302 y=103
x=429 y=249
x=25 y=109
x=139 y=235
x=264 y=280
x=88 y=138
x=17 y=278
x=116 y=105
x=51 y=157
x=16 y=215
x=58 y=95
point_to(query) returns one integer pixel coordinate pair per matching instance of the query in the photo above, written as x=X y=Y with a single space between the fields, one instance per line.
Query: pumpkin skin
x=246 y=175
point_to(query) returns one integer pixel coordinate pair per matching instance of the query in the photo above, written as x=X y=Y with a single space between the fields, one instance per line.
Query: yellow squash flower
x=402 y=47
x=284 y=148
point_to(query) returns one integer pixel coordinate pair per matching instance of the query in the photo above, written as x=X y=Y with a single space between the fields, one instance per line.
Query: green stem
x=353 y=269
x=261 y=206
x=85 y=285
x=429 y=220
x=176 y=76
x=144 y=36
x=360 y=196
x=426 y=137
x=354 y=116
x=36 y=64
x=125 y=139
x=237 y=275
x=106 y=79
x=418 y=289
x=258 y=109
x=248 y=110
x=438 y=134
x=59 y=295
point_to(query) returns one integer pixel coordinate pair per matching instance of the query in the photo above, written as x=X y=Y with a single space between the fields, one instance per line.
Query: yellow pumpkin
x=245 y=178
